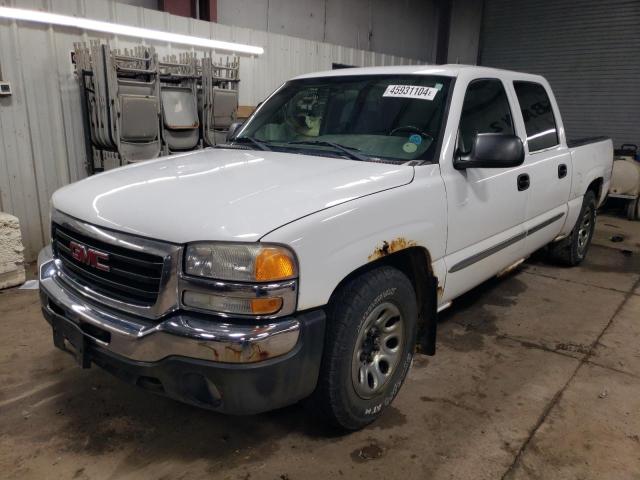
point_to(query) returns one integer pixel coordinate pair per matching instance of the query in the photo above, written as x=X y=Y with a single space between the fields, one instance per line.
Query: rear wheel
x=572 y=250
x=633 y=209
x=369 y=345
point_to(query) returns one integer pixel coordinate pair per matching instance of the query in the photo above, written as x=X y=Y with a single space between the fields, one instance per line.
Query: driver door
x=486 y=206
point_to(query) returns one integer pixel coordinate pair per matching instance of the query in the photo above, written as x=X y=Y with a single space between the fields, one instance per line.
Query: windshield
x=390 y=117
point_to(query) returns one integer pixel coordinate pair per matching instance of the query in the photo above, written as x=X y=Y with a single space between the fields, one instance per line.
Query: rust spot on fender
x=393 y=246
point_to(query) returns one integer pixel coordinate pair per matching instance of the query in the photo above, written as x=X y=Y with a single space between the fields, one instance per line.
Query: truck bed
x=591 y=159
x=578 y=142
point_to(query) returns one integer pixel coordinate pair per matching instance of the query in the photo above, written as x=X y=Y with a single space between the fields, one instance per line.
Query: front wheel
x=369 y=345
x=572 y=250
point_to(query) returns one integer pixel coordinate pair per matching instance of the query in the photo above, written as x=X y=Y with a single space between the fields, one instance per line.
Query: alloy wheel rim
x=584 y=232
x=377 y=351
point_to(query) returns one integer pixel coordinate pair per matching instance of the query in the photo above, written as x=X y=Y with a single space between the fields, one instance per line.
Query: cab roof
x=451 y=70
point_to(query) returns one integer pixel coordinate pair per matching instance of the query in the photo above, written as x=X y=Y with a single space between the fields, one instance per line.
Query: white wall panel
x=399 y=27
x=349 y=23
x=299 y=18
x=244 y=13
x=41 y=131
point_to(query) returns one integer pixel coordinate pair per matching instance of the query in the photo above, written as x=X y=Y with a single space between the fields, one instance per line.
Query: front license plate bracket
x=70 y=339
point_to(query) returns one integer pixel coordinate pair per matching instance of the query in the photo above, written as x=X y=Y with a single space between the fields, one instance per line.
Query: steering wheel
x=411 y=128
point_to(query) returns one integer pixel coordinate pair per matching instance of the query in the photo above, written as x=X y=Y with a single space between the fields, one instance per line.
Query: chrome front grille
x=132 y=276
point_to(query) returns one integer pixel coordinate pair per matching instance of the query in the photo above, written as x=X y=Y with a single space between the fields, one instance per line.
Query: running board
x=510 y=268
x=444 y=306
x=562 y=236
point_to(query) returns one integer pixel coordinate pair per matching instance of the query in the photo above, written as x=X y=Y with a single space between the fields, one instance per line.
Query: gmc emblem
x=89 y=256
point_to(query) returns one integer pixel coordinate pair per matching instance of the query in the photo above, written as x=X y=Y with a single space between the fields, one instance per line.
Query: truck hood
x=222 y=194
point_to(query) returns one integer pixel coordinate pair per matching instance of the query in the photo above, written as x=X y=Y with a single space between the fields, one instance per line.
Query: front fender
x=332 y=243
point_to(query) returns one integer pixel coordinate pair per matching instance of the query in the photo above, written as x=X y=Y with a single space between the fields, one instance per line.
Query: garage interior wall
x=589 y=51
x=41 y=132
x=367 y=24
x=464 y=31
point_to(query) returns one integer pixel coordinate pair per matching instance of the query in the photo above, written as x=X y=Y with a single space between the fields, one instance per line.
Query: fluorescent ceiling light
x=118 y=29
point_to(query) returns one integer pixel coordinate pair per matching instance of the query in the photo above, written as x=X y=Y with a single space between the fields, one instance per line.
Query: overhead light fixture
x=125 y=30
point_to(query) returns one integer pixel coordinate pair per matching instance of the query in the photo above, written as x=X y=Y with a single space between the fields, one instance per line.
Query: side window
x=485 y=110
x=538 y=115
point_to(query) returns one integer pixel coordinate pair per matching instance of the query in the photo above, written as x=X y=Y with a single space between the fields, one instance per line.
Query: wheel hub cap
x=378 y=349
x=584 y=232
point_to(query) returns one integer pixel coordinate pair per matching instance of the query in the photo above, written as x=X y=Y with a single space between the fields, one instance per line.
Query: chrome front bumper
x=190 y=335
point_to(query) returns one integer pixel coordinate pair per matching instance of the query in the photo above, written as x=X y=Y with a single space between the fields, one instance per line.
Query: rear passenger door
x=547 y=162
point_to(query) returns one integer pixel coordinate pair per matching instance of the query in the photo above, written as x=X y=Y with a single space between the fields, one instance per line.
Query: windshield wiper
x=258 y=143
x=351 y=152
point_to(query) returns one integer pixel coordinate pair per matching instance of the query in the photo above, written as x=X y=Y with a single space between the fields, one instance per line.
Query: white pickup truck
x=309 y=256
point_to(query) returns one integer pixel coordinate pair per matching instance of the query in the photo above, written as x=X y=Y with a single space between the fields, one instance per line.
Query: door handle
x=562 y=170
x=523 y=182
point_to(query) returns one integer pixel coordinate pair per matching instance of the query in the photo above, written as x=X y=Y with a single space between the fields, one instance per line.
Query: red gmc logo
x=89 y=256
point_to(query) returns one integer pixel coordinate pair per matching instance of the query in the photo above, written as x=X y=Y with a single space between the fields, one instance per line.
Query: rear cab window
x=537 y=113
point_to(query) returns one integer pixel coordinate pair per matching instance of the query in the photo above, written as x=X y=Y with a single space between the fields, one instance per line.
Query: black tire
x=633 y=209
x=572 y=250
x=350 y=311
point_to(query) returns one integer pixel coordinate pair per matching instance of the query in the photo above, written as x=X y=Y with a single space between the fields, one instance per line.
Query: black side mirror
x=492 y=150
x=233 y=129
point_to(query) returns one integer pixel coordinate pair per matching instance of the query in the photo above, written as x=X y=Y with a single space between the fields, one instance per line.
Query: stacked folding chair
x=94 y=85
x=137 y=79
x=218 y=98
x=137 y=107
x=122 y=103
x=178 y=94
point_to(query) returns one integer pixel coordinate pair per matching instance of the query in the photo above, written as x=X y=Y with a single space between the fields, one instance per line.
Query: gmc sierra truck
x=310 y=255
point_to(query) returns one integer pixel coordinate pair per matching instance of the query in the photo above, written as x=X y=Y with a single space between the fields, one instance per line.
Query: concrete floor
x=537 y=376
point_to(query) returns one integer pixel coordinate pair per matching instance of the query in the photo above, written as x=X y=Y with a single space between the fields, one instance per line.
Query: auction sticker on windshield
x=410 y=91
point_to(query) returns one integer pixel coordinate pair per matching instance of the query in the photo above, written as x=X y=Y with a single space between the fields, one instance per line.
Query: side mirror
x=233 y=128
x=492 y=150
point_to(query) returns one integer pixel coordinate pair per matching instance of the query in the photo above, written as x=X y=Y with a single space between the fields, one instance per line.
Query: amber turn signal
x=274 y=263
x=265 y=306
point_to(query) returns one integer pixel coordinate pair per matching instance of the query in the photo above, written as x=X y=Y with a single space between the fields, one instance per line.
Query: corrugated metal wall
x=589 y=50
x=41 y=132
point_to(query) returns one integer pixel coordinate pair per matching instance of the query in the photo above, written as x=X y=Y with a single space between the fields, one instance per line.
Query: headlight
x=263 y=277
x=240 y=262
